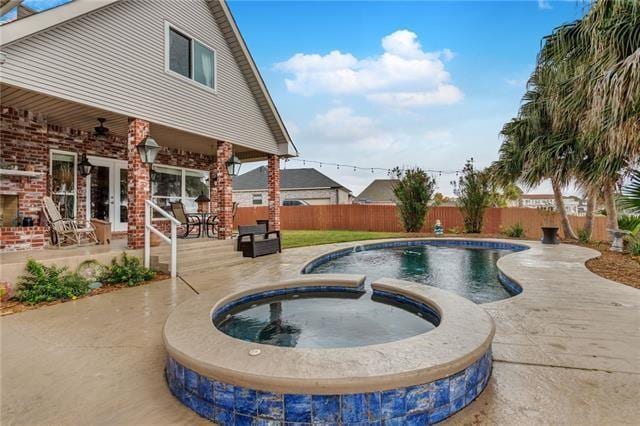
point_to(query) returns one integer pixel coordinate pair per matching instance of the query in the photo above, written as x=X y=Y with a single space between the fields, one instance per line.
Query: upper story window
x=190 y=58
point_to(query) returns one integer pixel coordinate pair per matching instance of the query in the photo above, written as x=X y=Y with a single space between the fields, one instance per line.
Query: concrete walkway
x=567 y=350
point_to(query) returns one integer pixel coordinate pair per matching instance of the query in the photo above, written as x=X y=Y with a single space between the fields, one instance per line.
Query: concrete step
x=197 y=245
x=197 y=258
x=202 y=265
x=204 y=250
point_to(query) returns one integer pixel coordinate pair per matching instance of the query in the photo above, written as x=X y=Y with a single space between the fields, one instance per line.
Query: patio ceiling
x=82 y=117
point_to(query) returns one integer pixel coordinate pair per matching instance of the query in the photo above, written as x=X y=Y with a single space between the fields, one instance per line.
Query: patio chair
x=190 y=221
x=254 y=240
x=212 y=222
x=65 y=231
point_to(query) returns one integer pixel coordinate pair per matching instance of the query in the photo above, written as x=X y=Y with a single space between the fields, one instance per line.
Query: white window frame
x=183 y=184
x=253 y=199
x=75 y=176
x=167 y=27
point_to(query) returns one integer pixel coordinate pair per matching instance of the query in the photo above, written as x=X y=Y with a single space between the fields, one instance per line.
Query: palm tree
x=533 y=151
x=581 y=113
x=631 y=193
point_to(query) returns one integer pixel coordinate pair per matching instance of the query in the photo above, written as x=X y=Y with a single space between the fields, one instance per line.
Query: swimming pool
x=465 y=267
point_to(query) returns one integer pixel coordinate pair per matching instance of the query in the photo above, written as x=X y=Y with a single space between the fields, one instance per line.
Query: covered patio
x=46 y=141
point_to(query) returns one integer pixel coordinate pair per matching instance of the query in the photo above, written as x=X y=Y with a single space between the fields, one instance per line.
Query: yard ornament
x=437 y=229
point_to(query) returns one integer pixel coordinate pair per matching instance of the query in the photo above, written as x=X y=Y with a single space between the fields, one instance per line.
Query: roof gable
x=309 y=178
x=380 y=190
x=69 y=45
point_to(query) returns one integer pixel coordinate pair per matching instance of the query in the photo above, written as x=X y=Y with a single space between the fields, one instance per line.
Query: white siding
x=113 y=59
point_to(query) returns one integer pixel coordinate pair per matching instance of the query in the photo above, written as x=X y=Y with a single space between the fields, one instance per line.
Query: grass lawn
x=291 y=239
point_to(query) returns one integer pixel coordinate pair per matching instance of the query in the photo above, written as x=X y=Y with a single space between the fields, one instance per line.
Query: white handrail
x=149 y=228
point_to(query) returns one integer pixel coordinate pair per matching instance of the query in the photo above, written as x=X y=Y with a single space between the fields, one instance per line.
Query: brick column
x=273 y=182
x=213 y=187
x=225 y=194
x=138 y=190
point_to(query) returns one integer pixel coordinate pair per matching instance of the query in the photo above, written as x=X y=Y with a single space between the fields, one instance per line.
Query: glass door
x=107 y=192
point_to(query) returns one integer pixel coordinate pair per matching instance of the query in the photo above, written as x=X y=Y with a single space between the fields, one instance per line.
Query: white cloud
x=437 y=135
x=446 y=94
x=404 y=75
x=341 y=126
x=544 y=4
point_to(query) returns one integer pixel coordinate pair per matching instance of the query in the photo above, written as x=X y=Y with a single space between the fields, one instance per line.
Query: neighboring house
x=380 y=191
x=572 y=204
x=179 y=73
x=304 y=186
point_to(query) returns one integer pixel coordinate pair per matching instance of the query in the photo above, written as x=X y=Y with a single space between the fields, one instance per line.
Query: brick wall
x=224 y=193
x=27 y=140
x=21 y=238
x=273 y=189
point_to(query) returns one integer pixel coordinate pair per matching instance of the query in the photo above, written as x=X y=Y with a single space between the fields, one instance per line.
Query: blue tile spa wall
x=428 y=403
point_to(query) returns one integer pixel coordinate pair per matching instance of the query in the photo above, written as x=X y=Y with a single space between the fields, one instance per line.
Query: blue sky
x=391 y=83
x=421 y=83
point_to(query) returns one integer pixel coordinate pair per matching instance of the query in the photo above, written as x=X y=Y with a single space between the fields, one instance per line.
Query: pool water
x=468 y=272
x=325 y=320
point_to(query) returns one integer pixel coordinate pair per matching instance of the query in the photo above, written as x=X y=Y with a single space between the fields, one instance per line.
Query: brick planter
x=22 y=238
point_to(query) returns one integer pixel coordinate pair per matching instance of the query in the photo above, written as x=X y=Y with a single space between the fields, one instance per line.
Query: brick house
x=297 y=186
x=177 y=72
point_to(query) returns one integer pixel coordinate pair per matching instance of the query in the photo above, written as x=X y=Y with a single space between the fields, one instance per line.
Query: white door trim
x=114 y=166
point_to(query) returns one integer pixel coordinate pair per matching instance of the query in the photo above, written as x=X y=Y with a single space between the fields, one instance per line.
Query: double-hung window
x=256 y=199
x=190 y=58
x=63 y=169
x=170 y=184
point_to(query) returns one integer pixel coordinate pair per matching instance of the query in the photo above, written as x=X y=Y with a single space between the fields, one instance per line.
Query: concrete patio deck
x=566 y=351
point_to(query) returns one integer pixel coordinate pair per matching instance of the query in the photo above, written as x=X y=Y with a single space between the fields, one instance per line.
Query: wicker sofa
x=254 y=240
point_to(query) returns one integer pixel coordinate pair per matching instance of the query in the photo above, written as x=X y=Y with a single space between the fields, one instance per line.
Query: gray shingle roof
x=289 y=179
x=378 y=191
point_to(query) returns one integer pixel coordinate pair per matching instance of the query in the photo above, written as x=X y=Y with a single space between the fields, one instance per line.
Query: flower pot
x=550 y=235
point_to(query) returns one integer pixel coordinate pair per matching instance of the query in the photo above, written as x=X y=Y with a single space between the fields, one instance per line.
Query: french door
x=107 y=192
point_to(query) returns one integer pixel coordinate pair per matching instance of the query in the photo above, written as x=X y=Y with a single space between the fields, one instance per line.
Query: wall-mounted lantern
x=84 y=166
x=148 y=150
x=233 y=165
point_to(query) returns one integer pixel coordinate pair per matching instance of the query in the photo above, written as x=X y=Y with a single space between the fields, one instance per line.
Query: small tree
x=413 y=191
x=474 y=192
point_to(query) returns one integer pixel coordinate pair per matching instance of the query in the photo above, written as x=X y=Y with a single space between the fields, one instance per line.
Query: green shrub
x=584 y=236
x=48 y=283
x=514 y=231
x=473 y=189
x=634 y=245
x=414 y=191
x=629 y=222
x=129 y=271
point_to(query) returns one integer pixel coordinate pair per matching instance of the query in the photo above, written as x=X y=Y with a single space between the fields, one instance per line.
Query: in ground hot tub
x=419 y=378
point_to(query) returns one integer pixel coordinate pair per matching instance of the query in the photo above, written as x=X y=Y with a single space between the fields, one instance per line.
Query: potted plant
x=549 y=226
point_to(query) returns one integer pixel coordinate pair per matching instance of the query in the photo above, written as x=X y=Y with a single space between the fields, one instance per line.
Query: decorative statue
x=437 y=229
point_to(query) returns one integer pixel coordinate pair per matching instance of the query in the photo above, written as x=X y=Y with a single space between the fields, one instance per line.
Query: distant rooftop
x=379 y=191
x=308 y=178
x=545 y=197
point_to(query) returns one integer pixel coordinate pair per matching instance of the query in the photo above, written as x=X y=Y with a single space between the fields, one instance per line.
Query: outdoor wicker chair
x=190 y=221
x=65 y=231
x=254 y=240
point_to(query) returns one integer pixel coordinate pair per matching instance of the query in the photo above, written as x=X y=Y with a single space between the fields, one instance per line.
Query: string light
x=434 y=173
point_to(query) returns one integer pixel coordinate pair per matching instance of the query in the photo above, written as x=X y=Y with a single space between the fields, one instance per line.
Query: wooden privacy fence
x=384 y=218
